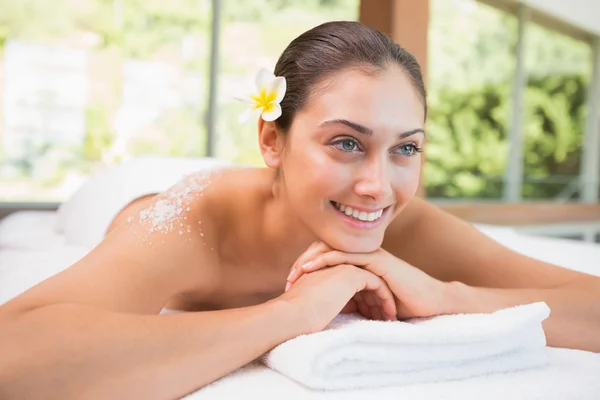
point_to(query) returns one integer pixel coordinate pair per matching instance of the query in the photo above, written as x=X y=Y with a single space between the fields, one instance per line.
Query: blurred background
x=514 y=93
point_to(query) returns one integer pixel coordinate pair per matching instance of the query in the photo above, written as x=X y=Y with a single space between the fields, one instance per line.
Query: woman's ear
x=270 y=142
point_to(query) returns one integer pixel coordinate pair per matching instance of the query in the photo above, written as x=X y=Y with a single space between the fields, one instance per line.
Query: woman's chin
x=354 y=244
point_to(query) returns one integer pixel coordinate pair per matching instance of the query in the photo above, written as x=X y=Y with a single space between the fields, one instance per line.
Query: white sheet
x=30 y=230
x=571 y=375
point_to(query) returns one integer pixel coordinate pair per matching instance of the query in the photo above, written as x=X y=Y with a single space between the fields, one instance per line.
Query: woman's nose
x=374 y=180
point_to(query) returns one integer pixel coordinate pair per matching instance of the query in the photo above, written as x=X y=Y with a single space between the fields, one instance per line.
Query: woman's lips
x=358 y=223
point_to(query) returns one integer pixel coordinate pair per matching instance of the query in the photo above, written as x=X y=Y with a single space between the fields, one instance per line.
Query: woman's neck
x=257 y=226
x=284 y=235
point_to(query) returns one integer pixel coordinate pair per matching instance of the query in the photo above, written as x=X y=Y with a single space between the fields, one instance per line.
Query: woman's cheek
x=407 y=183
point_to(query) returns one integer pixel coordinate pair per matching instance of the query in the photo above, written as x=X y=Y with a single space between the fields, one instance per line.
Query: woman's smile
x=360 y=217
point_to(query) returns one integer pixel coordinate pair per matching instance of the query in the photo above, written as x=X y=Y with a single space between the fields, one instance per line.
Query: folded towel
x=571 y=374
x=353 y=352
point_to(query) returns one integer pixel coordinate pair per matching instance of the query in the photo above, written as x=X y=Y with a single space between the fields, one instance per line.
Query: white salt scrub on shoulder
x=171 y=209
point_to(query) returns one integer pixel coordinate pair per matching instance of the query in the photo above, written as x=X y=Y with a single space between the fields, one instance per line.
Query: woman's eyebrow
x=410 y=133
x=365 y=130
x=354 y=125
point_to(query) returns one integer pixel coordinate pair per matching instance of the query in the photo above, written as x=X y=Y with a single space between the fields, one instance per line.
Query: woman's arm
x=89 y=332
x=574 y=321
x=484 y=275
x=76 y=351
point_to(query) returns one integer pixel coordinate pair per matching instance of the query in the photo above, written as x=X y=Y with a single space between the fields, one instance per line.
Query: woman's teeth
x=360 y=215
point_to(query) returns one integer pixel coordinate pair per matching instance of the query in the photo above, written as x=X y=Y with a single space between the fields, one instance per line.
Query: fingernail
x=307 y=264
x=287 y=286
x=291 y=274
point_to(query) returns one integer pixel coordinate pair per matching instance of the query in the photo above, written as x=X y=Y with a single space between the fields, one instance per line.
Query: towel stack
x=354 y=352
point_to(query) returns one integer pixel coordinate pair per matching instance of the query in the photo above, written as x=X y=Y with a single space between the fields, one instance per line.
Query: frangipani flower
x=265 y=101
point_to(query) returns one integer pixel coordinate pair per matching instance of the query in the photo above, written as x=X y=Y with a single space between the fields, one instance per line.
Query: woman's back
x=251 y=264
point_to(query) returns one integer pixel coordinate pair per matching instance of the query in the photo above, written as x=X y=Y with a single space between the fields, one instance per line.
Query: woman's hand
x=315 y=249
x=320 y=296
x=365 y=302
x=416 y=293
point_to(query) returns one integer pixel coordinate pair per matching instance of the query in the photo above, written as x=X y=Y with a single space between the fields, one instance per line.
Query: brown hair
x=330 y=47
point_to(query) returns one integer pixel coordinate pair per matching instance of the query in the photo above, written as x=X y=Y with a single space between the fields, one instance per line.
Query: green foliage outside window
x=470 y=72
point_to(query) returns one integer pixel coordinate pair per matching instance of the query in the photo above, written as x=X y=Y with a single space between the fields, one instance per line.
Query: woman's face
x=352 y=157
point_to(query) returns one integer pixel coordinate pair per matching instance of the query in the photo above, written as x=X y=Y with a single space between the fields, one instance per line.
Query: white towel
x=353 y=352
x=571 y=374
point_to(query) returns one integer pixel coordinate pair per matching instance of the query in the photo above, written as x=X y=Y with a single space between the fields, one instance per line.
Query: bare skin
x=101 y=337
x=229 y=250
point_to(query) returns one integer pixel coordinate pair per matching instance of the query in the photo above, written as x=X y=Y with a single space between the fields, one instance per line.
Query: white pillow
x=84 y=218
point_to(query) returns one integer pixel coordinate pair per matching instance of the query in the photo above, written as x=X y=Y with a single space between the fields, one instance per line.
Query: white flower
x=265 y=101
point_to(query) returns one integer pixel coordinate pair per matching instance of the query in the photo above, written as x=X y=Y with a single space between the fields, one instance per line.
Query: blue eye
x=346 y=145
x=408 y=149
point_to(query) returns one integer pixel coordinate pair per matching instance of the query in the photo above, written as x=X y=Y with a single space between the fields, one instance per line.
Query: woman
x=266 y=254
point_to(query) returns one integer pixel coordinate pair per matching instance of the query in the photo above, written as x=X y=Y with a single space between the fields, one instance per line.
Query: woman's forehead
x=384 y=97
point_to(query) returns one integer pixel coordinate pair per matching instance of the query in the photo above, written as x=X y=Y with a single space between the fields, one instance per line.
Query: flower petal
x=263 y=78
x=273 y=113
x=279 y=86
x=249 y=113
x=245 y=99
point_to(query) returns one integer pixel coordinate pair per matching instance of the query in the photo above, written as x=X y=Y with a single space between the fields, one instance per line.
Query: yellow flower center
x=264 y=99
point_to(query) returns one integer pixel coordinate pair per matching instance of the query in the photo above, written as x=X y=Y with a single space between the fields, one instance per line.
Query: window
x=471 y=65
x=558 y=71
x=85 y=83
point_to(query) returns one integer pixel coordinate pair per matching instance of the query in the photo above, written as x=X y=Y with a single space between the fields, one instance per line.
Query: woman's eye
x=347 y=145
x=408 y=150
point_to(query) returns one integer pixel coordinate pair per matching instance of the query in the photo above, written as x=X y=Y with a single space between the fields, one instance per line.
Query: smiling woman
x=334 y=211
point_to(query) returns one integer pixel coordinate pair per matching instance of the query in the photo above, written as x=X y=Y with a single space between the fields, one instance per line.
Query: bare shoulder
x=416 y=212
x=163 y=246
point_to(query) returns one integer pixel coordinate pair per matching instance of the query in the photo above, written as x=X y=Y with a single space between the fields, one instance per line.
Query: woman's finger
x=362 y=306
x=386 y=298
x=376 y=285
x=340 y=257
x=374 y=305
x=330 y=259
x=308 y=264
x=377 y=313
x=350 y=307
x=372 y=308
x=313 y=251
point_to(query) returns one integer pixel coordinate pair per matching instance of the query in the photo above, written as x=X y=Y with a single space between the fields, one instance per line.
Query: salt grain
x=169 y=210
